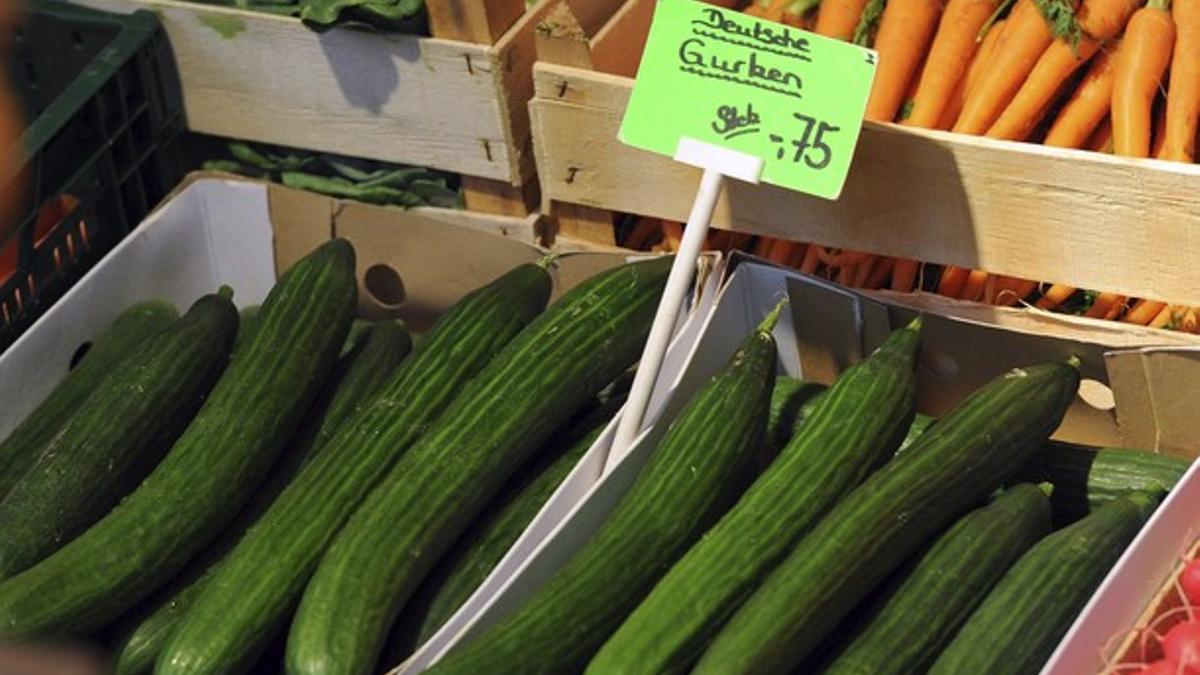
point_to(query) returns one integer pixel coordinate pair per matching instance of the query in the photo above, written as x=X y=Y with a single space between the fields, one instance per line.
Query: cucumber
x=20 y=450
x=922 y=614
x=228 y=625
x=856 y=427
x=1087 y=478
x=116 y=435
x=685 y=485
x=1023 y=619
x=955 y=465
x=212 y=470
x=546 y=375
x=356 y=378
x=482 y=546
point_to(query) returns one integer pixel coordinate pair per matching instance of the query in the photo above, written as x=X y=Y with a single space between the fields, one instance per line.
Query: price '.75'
x=811 y=147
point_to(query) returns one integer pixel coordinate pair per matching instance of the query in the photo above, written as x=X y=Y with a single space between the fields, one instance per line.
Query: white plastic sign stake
x=745 y=98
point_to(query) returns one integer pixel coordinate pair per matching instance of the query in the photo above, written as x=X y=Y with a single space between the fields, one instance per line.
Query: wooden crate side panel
x=394 y=98
x=617 y=48
x=1092 y=221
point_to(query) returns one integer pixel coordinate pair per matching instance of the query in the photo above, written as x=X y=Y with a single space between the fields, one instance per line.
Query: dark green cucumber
x=1023 y=619
x=19 y=451
x=855 y=428
x=210 y=472
x=116 y=435
x=356 y=378
x=1087 y=478
x=954 y=466
x=546 y=375
x=687 y=483
x=253 y=593
x=792 y=403
x=922 y=614
x=482 y=546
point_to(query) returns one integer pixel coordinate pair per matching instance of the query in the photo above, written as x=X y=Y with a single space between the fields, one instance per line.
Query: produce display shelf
x=455 y=102
x=103 y=104
x=1081 y=218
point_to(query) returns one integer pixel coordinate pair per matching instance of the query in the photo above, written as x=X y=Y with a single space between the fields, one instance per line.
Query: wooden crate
x=1085 y=219
x=456 y=102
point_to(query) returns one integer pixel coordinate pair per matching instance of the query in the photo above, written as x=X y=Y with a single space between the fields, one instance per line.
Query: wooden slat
x=396 y=98
x=617 y=48
x=1090 y=220
x=500 y=198
x=478 y=21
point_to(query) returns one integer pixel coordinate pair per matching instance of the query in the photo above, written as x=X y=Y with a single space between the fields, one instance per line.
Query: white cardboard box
x=827 y=329
x=227 y=231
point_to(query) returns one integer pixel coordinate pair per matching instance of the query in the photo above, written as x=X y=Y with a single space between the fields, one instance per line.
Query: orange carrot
x=1188 y=322
x=642 y=233
x=1026 y=36
x=979 y=64
x=1015 y=291
x=838 y=18
x=780 y=251
x=1144 y=55
x=904 y=274
x=904 y=33
x=1144 y=311
x=1054 y=296
x=1158 y=137
x=1057 y=63
x=863 y=270
x=1105 y=306
x=952 y=281
x=762 y=247
x=811 y=259
x=1088 y=105
x=1101 y=139
x=672 y=234
x=1183 y=99
x=880 y=273
x=798 y=255
x=1103 y=20
x=954 y=47
x=973 y=287
x=795 y=12
x=1165 y=316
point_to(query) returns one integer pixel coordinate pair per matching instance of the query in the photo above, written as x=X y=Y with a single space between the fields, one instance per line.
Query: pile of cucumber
x=291 y=490
x=217 y=494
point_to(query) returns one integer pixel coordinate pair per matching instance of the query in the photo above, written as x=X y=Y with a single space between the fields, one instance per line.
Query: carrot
x=1183 y=98
x=1144 y=311
x=762 y=247
x=811 y=259
x=1056 y=64
x=1188 y=322
x=1087 y=106
x=1101 y=139
x=987 y=49
x=780 y=251
x=1119 y=305
x=642 y=233
x=1103 y=20
x=1105 y=306
x=1158 y=137
x=880 y=273
x=904 y=274
x=904 y=33
x=1054 y=296
x=1015 y=292
x=973 y=287
x=672 y=234
x=863 y=270
x=1027 y=34
x=794 y=12
x=758 y=8
x=952 y=281
x=1165 y=317
x=838 y=18
x=954 y=47
x=1144 y=55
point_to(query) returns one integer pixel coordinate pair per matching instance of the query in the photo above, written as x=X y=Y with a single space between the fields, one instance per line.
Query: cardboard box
x=827 y=329
x=240 y=232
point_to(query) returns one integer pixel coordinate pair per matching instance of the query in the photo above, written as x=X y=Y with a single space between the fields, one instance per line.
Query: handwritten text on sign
x=793 y=98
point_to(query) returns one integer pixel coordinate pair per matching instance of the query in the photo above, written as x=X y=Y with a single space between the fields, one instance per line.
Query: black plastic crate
x=102 y=95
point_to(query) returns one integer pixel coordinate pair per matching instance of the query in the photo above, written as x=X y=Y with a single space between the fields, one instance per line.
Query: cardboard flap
x=835 y=328
x=1155 y=396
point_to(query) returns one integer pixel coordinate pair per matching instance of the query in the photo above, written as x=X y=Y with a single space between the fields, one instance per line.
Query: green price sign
x=792 y=98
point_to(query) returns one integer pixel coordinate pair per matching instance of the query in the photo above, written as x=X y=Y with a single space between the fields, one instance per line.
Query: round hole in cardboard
x=385 y=285
x=942 y=364
x=80 y=352
x=1097 y=394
